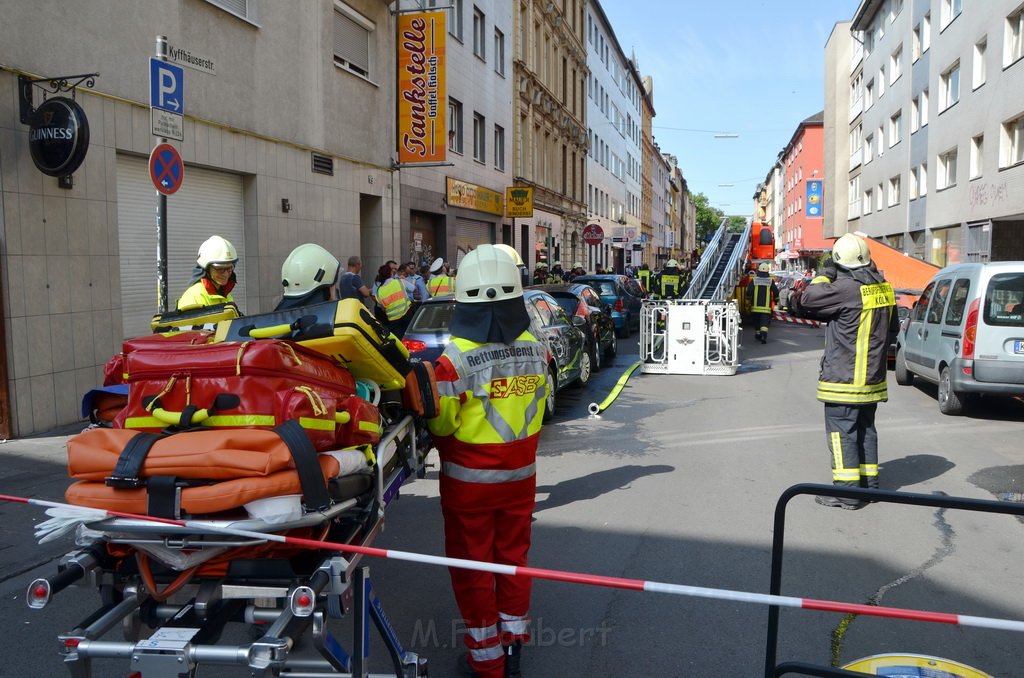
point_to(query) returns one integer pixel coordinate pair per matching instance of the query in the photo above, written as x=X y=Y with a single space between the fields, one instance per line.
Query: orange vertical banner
x=422 y=100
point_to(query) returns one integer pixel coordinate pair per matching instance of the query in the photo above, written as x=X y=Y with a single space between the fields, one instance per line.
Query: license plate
x=1018 y=345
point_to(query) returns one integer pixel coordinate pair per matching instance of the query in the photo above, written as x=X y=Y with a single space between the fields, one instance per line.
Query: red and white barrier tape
x=92 y=515
x=787 y=318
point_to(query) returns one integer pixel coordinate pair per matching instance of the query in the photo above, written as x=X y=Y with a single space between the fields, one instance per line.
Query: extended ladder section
x=689 y=336
x=721 y=266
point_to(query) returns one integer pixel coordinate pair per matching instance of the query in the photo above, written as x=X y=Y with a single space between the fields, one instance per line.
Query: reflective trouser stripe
x=491 y=476
x=841 y=474
x=515 y=624
x=869 y=470
x=482 y=634
x=485 y=654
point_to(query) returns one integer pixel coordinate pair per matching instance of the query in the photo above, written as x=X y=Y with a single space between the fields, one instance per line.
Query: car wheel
x=549 y=402
x=950 y=401
x=904 y=377
x=586 y=367
x=613 y=347
x=595 y=355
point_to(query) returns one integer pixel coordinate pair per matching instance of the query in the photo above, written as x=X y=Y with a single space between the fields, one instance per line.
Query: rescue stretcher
x=183 y=591
x=282 y=596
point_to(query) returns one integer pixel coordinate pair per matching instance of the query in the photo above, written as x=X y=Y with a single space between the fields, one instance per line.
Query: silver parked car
x=966 y=334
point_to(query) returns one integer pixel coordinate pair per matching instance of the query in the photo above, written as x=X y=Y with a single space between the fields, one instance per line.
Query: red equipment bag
x=254 y=384
x=114 y=371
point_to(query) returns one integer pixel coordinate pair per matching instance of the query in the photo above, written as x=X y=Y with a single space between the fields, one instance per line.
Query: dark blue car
x=623 y=294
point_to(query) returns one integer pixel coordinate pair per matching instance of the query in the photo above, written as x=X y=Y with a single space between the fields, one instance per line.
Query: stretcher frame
x=188 y=626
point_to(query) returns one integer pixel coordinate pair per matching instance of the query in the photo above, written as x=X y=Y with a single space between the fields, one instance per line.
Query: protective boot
x=512 y=653
x=836 y=502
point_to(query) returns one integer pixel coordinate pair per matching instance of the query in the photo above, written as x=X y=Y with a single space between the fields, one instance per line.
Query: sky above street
x=754 y=68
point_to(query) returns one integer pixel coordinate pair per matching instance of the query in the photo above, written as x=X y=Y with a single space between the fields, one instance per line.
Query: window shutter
x=351 y=42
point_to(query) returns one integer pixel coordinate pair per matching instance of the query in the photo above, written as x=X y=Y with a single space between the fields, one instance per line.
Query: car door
x=600 y=314
x=634 y=296
x=541 y=310
x=932 y=337
x=913 y=335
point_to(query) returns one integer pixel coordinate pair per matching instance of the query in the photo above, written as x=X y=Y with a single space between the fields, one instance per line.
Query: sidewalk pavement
x=31 y=467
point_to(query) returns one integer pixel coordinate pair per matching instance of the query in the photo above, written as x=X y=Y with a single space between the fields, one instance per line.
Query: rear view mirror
x=579 y=321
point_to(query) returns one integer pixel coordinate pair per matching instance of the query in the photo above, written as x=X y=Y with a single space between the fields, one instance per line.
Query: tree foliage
x=708 y=217
x=737 y=224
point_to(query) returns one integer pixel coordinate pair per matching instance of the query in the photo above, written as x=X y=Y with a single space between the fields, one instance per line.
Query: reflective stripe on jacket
x=492 y=400
x=860 y=308
x=760 y=290
x=439 y=284
x=393 y=298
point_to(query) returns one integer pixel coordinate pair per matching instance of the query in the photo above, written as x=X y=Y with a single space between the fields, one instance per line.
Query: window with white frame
x=881 y=82
x=1012 y=151
x=880 y=136
x=856 y=140
x=1014 y=47
x=947 y=170
x=915 y=44
x=499 y=148
x=455 y=18
x=912 y=189
x=978 y=73
x=245 y=9
x=479 y=27
x=454 y=125
x=868 y=201
x=926 y=32
x=949 y=10
x=922 y=180
x=949 y=86
x=869 y=144
x=479 y=138
x=895 y=9
x=499 y=52
x=879 y=197
x=854 y=208
x=915 y=114
x=896 y=65
x=894 y=191
x=353 y=40
x=895 y=128
x=924 y=107
x=869 y=94
x=977 y=155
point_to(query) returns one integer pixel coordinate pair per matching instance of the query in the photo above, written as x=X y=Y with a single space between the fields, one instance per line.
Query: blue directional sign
x=166 y=86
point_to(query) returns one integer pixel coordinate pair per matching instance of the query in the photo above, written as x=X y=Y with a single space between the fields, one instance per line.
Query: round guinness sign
x=58 y=136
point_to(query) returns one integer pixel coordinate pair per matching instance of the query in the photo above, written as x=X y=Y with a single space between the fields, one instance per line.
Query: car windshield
x=604 y=287
x=569 y=304
x=432 y=318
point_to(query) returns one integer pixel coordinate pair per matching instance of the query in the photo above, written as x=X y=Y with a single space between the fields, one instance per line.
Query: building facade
x=449 y=208
x=549 y=123
x=941 y=128
x=614 y=160
x=288 y=138
x=802 y=163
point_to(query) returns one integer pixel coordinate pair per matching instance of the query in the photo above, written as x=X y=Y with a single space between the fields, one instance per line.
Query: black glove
x=828 y=269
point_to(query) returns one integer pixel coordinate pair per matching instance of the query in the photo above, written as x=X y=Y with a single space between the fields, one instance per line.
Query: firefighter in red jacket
x=492 y=379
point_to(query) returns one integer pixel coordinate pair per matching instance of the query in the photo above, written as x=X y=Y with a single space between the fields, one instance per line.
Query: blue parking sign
x=166 y=86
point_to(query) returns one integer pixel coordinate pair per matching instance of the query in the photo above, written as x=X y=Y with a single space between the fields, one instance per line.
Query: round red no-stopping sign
x=593 y=234
x=166 y=169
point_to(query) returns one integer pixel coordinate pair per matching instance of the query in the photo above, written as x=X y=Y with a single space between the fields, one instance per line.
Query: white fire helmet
x=487 y=274
x=307 y=268
x=850 y=251
x=216 y=251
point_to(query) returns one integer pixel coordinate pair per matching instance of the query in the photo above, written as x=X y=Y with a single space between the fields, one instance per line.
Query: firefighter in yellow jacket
x=214 y=276
x=860 y=308
x=492 y=379
x=763 y=294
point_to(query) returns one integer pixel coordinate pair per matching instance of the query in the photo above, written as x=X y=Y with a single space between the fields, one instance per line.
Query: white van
x=966 y=333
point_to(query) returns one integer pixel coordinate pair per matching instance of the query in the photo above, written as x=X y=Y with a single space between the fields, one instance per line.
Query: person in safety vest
x=576 y=271
x=557 y=272
x=860 y=307
x=540 y=273
x=763 y=294
x=441 y=282
x=396 y=301
x=493 y=386
x=670 y=281
x=643 y=274
x=214 y=275
x=308 y=276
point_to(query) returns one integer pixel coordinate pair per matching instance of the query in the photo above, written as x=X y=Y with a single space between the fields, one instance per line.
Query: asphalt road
x=677 y=482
